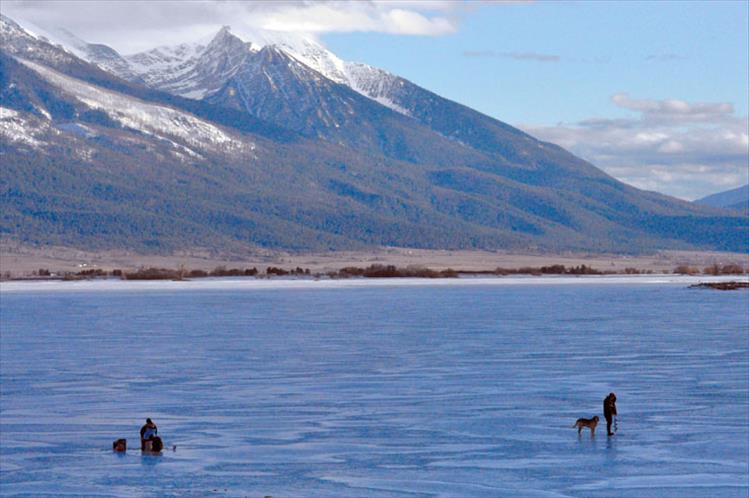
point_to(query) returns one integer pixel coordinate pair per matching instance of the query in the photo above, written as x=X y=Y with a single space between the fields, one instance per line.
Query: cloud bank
x=685 y=149
x=130 y=26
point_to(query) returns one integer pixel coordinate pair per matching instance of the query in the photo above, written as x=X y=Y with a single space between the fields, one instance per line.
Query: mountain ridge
x=737 y=198
x=295 y=181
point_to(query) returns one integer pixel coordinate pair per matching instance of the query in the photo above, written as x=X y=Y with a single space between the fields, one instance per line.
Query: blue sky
x=657 y=50
x=654 y=93
x=553 y=67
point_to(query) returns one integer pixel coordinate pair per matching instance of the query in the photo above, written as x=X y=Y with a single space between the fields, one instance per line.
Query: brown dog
x=590 y=423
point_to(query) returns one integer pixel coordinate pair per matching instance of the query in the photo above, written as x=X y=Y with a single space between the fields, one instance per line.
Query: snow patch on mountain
x=376 y=84
x=168 y=68
x=313 y=55
x=145 y=117
x=369 y=81
x=192 y=70
x=16 y=127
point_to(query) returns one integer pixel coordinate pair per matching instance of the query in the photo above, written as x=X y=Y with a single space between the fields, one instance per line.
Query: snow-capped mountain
x=283 y=145
x=291 y=81
x=231 y=71
x=19 y=41
x=196 y=70
x=103 y=56
x=225 y=70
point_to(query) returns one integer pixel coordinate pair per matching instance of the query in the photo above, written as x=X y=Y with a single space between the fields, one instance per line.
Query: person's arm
x=613 y=408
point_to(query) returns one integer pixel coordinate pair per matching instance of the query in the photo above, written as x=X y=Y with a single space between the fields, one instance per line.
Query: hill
x=737 y=198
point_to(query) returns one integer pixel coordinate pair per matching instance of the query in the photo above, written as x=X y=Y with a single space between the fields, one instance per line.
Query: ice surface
x=361 y=388
x=301 y=283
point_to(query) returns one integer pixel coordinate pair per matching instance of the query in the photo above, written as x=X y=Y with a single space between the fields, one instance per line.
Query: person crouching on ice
x=609 y=411
x=148 y=431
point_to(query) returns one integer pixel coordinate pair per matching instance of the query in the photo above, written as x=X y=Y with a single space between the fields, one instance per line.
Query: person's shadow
x=611 y=447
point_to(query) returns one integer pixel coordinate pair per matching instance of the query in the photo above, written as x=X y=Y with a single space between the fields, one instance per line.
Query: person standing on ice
x=148 y=431
x=609 y=411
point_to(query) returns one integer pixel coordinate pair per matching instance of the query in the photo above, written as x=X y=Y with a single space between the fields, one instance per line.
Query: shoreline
x=281 y=283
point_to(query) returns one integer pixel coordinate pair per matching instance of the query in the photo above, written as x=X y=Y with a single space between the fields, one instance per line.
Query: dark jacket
x=146 y=427
x=609 y=406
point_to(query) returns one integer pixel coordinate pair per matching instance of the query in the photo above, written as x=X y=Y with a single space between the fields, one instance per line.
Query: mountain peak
x=737 y=198
x=223 y=35
x=226 y=41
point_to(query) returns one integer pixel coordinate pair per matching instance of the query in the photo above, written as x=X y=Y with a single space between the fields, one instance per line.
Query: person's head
x=149 y=421
x=612 y=396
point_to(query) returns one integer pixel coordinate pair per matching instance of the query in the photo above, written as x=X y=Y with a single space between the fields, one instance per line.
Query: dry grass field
x=18 y=261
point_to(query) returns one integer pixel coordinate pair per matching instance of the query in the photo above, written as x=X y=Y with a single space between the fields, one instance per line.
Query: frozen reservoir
x=419 y=390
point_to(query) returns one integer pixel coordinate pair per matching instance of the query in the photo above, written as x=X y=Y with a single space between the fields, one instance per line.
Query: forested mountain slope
x=275 y=154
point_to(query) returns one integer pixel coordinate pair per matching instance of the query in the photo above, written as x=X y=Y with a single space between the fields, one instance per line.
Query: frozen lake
x=454 y=389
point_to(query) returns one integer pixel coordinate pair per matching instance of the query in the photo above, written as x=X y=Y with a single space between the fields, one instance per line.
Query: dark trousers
x=609 y=419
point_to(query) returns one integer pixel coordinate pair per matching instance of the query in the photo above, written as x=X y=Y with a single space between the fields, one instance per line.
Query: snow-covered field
x=363 y=388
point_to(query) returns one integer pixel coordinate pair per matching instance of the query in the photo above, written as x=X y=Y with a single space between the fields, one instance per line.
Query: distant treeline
x=548 y=270
x=391 y=271
x=372 y=271
x=220 y=271
x=732 y=269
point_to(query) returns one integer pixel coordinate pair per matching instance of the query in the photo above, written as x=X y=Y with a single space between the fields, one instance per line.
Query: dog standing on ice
x=590 y=423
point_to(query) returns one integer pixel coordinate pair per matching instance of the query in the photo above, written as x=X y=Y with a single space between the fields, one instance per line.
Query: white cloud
x=685 y=149
x=674 y=110
x=520 y=56
x=665 y=57
x=352 y=16
x=130 y=26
